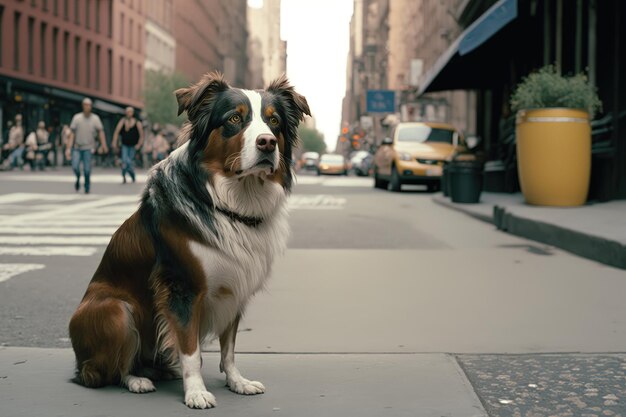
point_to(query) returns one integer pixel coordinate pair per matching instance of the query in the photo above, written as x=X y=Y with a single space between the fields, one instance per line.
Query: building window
x=88 y=64
x=110 y=71
x=139 y=80
x=87 y=14
x=42 y=48
x=33 y=3
x=66 y=9
x=110 y=18
x=131 y=92
x=66 y=52
x=55 y=61
x=55 y=7
x=121 y=76
x=97 y=16
x=139 y=38
x=16 y=40
x=122 y=29
x=130 y=33
x=76 y=60
x=77 y=12
x=31 y=44
x=45 y=5
x=97 y=67
x=1 y=30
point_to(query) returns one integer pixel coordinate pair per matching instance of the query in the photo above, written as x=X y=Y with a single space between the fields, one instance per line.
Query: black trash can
x=445 y=180
x=465 y=181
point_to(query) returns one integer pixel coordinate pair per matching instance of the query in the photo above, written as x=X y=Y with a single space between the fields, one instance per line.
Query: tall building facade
x=267 y=52
x=159 y=35
x=367 y=68
x=55 y=53
x=422 y=30
x=211 y=35
x=391 y=43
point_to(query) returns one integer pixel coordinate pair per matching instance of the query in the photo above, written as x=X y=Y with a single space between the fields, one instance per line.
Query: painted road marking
x=21 y=219
x=69 y=179
x=55 y=240
x=17 y=230
x=60 y=225
x=335 y=181
x=316 y=202
x=48 y=250
x=8 y=271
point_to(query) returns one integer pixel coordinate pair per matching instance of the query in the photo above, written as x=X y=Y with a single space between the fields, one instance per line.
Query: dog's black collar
x=247 y=220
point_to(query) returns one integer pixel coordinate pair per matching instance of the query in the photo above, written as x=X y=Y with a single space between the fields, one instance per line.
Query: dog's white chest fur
x=238 y=262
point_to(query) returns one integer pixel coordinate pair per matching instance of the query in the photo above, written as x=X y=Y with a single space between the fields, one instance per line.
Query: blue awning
x=478 y=33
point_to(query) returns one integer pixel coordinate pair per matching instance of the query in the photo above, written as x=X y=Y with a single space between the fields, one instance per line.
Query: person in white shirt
x=85 y=127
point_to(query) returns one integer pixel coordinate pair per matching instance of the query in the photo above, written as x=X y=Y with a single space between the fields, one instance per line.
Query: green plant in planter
x=547 y=88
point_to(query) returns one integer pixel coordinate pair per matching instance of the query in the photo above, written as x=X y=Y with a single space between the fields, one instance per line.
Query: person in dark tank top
x=131 y=133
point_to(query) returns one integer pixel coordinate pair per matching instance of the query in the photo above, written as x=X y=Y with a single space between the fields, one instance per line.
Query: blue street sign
x=381 y=101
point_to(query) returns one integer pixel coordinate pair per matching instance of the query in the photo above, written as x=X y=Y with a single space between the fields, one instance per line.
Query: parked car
x=310 y=161
x=361 y=163
x=415 y=154
x=332 y=164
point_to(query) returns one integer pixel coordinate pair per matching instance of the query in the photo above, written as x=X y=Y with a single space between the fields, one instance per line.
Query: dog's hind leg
x=106 y=343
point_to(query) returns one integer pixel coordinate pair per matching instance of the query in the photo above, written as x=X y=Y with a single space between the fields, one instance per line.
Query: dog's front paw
x=199 y=399
x=139 y=385
x=245 y=387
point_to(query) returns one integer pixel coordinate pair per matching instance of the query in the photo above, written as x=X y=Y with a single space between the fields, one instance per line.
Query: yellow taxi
x=332 y=164
x=415 y=154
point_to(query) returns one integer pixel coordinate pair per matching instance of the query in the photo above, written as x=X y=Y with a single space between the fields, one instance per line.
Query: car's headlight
x=404 y=156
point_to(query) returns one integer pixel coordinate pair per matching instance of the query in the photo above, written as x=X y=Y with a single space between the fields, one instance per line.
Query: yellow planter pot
x=554 y=156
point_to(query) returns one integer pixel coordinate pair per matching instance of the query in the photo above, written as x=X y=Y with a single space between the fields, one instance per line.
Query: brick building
x=267 y=52
x=160 y=41
x=212 y=35
x=55 y=52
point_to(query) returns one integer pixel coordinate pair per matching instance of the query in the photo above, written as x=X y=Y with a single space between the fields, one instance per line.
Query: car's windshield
x=332 y=158
x=423 y=133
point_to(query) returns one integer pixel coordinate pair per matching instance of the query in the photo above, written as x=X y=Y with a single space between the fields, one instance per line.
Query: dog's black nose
x=266 y=143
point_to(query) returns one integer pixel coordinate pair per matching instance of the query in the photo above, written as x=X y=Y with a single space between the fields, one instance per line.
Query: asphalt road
x=367 y=271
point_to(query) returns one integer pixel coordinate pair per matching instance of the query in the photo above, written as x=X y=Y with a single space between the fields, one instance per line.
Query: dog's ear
x=190 y=99
x=298 y=105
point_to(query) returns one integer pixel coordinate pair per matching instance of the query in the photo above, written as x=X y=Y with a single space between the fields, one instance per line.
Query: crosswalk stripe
x=20 y=230
x=66 y=209
x=55 y=240
x=8 y=271
x=48 y=250
x=316 y=202
x=69 y=179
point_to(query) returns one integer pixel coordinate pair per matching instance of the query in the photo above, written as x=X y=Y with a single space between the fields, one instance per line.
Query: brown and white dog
x=212 y=219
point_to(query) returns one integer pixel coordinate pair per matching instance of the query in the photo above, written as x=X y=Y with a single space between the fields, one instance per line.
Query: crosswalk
x=38 y=225
x=60 y=224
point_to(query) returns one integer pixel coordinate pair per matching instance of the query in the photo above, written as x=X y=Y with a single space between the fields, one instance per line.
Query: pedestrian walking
x=85 y=127
x=131 y=133
x=15 y=144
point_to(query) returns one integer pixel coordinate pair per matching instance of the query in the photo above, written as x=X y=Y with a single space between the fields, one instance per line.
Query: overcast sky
x=318 y=35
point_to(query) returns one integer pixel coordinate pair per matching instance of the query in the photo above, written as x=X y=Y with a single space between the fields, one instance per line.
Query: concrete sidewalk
x=594 y=231
x=36 y=382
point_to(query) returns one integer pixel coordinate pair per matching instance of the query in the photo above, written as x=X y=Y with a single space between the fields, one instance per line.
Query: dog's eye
x=273 y=121
x=235 y=118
